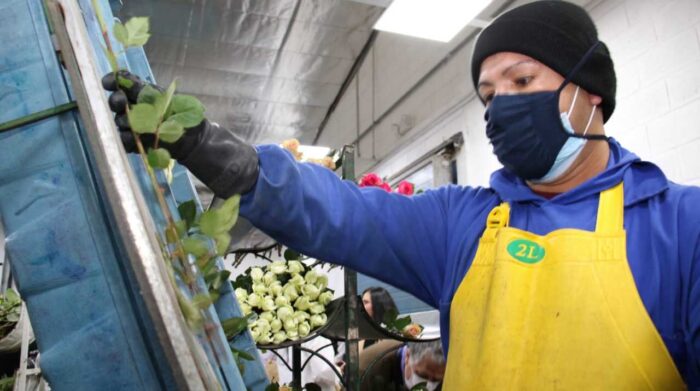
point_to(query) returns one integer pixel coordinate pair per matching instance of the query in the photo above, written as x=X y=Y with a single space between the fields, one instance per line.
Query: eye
x=523 y=81
x=488 y=97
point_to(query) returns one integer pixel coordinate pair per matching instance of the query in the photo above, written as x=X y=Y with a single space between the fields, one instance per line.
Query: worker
x=578 y=268
x=391 y=366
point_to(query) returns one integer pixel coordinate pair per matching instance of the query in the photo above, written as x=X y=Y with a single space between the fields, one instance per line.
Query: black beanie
x=557 y=34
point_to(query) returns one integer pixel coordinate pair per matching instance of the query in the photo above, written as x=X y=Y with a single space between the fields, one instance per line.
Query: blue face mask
x=530 y=137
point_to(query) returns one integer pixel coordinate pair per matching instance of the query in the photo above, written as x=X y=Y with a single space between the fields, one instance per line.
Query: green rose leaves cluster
x=288 y=297
x=10 y=305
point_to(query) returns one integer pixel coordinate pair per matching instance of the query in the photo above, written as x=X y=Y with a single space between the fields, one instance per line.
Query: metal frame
x=134 y=223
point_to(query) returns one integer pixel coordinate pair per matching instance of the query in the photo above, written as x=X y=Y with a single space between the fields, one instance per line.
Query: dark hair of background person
x=381 y=303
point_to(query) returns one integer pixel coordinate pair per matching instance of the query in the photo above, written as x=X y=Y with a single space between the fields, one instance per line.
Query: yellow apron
x=555 y=312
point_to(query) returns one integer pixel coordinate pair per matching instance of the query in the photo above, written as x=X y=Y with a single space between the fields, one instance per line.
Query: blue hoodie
x=424 y=244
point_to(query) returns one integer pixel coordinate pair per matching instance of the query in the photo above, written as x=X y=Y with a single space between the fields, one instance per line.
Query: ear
x=595 y=99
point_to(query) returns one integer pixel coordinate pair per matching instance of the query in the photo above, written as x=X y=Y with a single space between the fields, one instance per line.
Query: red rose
x=370 y=179
x=405 y=188
x=385 y=186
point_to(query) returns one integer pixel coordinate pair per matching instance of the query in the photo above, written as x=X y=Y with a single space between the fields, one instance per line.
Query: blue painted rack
x=93 y=325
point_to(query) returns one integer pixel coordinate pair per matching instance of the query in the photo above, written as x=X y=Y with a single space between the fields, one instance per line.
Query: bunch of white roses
x=289 y=298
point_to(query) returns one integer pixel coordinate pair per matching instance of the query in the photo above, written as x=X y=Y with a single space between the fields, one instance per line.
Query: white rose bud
x=255 y=333
x=290 y=324
x=262 y=325
x=268 y=278
x=302 y=303
x=285 y=312
x=281 y=300
x=322 y=281
x=293 y=335
x=256 y=274
x=276 y=325
x=318 y=320
x=304 y=329
x=325 y=297
x=241 y=294
x=295 y=267
x=279 y=337
x=310 y=291
x=254 y=300
x=267 y=315
x=311 y=276
x=278 y=267
x=259 y=288
x=301 y=316
x=317 y=308
x=268 y=303
x=290 y=291
x=297 y=280
x=265 y=338
x=276 y=288
x=245 y=309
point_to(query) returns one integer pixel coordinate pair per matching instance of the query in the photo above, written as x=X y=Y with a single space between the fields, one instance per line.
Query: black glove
x=217 y=157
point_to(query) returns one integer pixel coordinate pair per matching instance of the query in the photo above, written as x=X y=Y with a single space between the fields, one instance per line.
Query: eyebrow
x=505 y=72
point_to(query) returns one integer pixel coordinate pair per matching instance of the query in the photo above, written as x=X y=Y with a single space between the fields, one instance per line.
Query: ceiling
x=266 y=69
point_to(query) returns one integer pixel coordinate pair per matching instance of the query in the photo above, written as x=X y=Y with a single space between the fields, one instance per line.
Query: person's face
x=367 y=302
x=509 y=73
x=426 y=368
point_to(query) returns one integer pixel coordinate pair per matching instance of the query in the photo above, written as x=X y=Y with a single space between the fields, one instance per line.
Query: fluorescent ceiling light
x=438 y=20
x=314 y=152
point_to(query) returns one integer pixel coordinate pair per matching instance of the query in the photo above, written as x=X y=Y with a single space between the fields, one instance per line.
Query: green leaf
x=215 y=278
x=149 y=95
x=170 y=131
x=212 y=222
x=186 y=103
x=273 y=387
x=312 y=387
x=243 y=281
x=143 y=118
x=201 y=301
x=124 y=82
x=291 y=255
x=401 y=323
x=206 y=265
x=229 y=209
x=181 y=227
x=186 y=110
x=222 y=242
x=167 y=98
x=137 y=29
x=234 y=326
x=189 y=311
x=170 y=236
x=158 y=158
x=188 y=211
x=390 y=316
x=12 y=297
x=188 y=119
x=121 y=33
x=245 y=355
x=195 y=245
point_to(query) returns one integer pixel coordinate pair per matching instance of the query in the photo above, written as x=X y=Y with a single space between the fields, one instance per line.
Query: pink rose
x=385 y=186
x=370 y=179
x=405 y=188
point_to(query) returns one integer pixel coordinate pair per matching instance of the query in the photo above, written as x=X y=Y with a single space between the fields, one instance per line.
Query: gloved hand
x=217 y=157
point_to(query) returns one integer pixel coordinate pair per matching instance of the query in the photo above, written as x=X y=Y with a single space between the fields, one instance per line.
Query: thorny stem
x=181 y=254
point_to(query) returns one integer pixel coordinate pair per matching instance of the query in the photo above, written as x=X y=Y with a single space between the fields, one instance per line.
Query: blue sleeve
x=690 y=249
x=397 y=239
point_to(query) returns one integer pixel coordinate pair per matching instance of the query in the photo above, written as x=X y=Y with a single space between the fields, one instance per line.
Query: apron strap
x=497 y=219
x=611 y=210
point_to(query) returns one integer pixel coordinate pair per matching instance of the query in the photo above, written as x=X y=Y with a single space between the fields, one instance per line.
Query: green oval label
x=525 y=251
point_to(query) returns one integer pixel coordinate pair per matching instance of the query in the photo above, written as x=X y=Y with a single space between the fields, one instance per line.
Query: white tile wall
x=655 y=45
